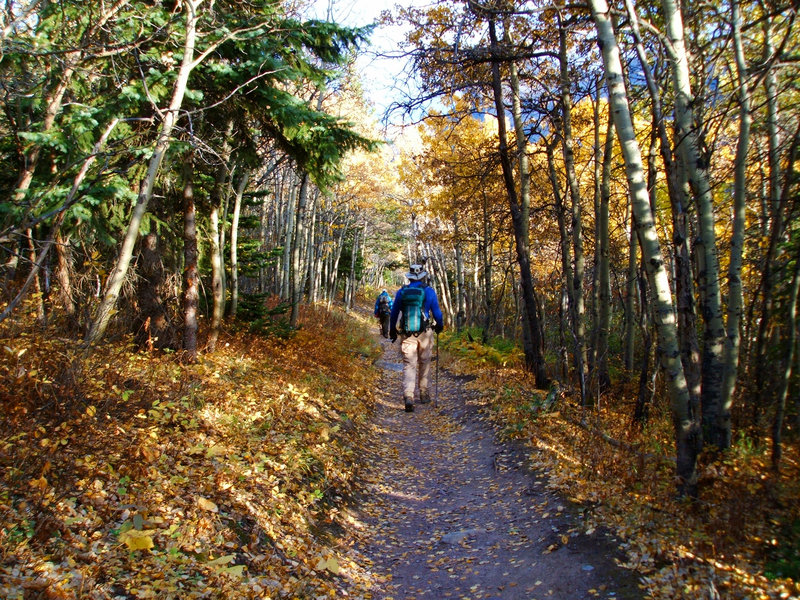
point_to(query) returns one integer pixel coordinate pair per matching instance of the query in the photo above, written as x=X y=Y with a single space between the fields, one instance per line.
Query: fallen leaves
x=137 y=540
x=150 y=479
x=713 y=548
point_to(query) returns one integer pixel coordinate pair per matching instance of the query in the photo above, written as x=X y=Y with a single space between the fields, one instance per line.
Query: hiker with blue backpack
x=421 y=317
x=383 y=310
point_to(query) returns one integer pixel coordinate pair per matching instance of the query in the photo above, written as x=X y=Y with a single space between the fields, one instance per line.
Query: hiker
x=417 y=302
x=383 y=311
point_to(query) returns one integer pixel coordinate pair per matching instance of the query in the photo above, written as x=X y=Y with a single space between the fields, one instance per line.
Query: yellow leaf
x=137 y=540
x=331 y=564
x=222 y=560
x=235 y=571
x=91 y=411
x=564 y=539
x=207 y=505
x=215 y=451
x=39 y=484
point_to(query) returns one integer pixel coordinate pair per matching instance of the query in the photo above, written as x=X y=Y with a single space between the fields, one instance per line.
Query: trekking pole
x=436 y=396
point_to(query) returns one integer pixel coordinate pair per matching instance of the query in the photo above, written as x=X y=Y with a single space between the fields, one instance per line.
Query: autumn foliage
x=734 y=541
x=129 y=474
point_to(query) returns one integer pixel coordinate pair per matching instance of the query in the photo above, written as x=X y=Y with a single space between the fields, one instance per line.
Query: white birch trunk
x=669 y=355
x=688 y=150
x=237 y=209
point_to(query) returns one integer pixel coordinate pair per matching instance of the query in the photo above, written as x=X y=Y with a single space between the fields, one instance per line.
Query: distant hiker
x=383 y=311
x=417 y=302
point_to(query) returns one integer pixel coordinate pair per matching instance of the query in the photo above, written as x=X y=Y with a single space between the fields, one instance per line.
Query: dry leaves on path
x=449 y=513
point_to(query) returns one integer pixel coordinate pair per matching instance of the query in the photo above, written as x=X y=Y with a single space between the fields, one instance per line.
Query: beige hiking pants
x=416 y=352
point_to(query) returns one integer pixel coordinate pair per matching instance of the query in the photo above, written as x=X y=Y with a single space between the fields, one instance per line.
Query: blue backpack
x=384 y=308
x=413 y=319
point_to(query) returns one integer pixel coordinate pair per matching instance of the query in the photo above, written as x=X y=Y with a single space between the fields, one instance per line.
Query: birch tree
x=715 y=425
x=686 y=430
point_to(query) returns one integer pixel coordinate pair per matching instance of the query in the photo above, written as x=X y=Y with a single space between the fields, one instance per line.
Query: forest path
x=448 y=512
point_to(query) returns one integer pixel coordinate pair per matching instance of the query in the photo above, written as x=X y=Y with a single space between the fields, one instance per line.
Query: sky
x=382 y=74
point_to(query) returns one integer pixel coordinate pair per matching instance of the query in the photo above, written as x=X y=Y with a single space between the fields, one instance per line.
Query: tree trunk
x=313 y=255
x=117 y=277
x=597 y=162
x=217 y=289
x=776 y=208
x=604 y=279
x=735 y=295
x=351 y=280
x=299 y=238
x=219 y=203
x=152 y=328
x=487 y=260
x=577 y=306
x=290 y=213
x=686 y=434
x=631 y=292
x=566 y=301
x=63 y=275
x=534 y=352
x=190 y=273
x=688 y=150
x=780 y=402
x=642 y=412
x=678 y=193
x=461 y=303
x=237 y=209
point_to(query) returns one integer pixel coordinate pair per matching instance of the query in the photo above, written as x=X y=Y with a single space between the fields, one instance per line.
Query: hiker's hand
x=438 y=327
x=393 y=334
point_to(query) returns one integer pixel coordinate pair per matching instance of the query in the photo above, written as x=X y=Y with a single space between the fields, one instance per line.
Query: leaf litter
x=282 y=469
x=448 y=512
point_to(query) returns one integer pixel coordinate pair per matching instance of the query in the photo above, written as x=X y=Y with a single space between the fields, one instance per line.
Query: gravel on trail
x=448 y=511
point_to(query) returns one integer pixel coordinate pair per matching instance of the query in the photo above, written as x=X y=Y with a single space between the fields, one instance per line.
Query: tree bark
x=577 y=306
x=677 y=189
x=63 y=275
x=631 y=292
x=780 y=402
x=566 y=301
x=190 y=272
x=461 y=303
x=708 y=276
x=534 y=352
x=299 y=238
x=487 y=260
x=152 y=327
x=217 y=289
x=604 y=279
x=686 y=434
x=735 y=294
x=237 y=209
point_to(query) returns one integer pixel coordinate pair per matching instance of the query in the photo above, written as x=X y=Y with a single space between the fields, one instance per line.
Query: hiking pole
x=436 y=396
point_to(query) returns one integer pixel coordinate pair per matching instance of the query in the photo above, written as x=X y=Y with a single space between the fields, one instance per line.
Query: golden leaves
x=207 y=504
x=172 y=480
x=137 y=540
x=328 y=564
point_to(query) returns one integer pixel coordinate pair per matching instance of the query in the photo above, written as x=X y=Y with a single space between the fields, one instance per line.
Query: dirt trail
x=447 y=512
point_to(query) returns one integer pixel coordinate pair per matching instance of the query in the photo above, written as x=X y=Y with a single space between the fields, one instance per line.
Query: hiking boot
x=424 y=397
x=409 y=404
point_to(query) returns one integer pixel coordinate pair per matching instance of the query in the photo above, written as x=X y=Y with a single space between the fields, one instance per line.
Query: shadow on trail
x=448 y=512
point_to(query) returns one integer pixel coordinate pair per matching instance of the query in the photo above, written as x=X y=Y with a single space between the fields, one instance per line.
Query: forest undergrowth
x=127 y=474
x=739 y=539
